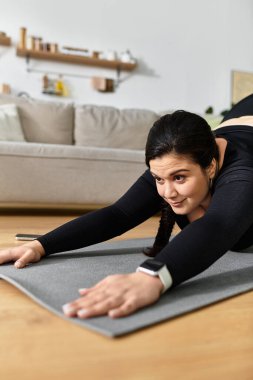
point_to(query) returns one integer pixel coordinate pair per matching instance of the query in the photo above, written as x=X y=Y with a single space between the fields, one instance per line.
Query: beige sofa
x=69 y=155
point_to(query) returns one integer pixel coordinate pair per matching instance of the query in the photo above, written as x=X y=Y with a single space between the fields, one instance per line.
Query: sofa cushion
x=10 y=127
x=64 y=174
x=44 y=122
x=103 y=126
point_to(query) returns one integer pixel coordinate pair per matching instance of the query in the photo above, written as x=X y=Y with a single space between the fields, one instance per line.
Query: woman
x=202 y=181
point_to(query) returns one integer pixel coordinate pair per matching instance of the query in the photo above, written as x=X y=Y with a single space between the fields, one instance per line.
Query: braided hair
x=183 y=133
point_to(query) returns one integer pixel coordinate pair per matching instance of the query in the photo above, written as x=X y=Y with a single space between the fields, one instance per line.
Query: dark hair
x=182 y=133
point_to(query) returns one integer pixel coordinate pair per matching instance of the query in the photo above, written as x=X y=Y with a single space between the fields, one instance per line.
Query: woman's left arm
x=202 y=242
x=193 y=250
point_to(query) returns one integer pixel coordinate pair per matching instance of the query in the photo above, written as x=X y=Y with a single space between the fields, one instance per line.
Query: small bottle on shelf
x=45 y=83
x=5 y=88
x=30 y=42
x=60 y=88
x=22 y=38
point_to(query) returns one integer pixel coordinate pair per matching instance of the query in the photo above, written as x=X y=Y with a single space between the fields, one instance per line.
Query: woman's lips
x=176 y=204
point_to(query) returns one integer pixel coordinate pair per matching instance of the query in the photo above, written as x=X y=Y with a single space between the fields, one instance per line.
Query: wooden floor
x=213 y=343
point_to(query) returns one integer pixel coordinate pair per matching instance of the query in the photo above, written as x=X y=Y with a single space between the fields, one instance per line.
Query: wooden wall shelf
x=75 y=59
x=6 y=41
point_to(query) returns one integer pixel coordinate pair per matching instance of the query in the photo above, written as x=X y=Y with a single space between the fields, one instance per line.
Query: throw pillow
x=44 y=122
x=109 y=127
x=10 y=126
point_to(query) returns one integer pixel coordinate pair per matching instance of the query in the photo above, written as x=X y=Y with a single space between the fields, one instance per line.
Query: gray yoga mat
x=56 y=279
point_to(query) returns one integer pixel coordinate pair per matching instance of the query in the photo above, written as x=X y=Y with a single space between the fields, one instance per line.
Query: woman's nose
x=169 y=191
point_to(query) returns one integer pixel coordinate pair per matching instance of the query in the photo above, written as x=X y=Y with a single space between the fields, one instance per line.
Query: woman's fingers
x=99 y=308
x=99 y=301
x=5 y=256
x=127 y=308
x=20 y=264
x=22 y=255
x=84 y=308
x=29 y=256
x=115 y=296
x=114 y=307
x=83 y=291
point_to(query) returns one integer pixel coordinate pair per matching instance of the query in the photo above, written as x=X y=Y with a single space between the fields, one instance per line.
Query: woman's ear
x=212 y=169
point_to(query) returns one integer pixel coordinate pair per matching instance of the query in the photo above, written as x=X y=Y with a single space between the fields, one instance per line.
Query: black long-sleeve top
x=227 y=223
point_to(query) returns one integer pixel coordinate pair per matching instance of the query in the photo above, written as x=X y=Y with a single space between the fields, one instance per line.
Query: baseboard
x=44 y=206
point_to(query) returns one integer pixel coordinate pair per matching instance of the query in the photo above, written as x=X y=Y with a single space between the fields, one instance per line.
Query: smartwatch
x=155 y=268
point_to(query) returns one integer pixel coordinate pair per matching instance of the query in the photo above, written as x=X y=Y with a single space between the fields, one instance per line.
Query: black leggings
x=242 y=108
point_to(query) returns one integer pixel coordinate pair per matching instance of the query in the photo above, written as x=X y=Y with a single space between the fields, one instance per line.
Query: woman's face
x=181 y=182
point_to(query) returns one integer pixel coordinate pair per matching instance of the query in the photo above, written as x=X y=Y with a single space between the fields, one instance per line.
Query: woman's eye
x=158 y=180
x=179 y=178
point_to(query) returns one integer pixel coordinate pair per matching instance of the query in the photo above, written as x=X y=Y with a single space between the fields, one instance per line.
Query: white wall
x=186 y=48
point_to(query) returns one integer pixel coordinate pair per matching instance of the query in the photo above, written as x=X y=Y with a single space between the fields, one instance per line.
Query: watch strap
x=162 y=273
x=165 y=277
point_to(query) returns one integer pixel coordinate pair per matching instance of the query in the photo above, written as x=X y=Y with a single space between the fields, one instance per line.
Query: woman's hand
x=23 y=255
x=116 y=296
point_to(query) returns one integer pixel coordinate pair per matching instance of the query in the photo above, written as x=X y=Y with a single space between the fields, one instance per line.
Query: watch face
x=152 y=265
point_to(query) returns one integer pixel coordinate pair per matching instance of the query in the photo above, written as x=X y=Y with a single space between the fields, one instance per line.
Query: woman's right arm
x=138 y=204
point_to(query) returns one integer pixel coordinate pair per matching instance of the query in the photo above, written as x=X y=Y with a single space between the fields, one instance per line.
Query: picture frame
x=242 y=85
